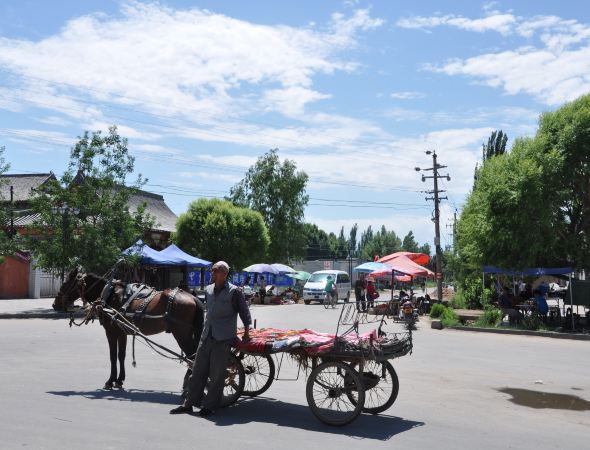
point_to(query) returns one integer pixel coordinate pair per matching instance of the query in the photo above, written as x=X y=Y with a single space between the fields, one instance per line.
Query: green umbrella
x=299 y=275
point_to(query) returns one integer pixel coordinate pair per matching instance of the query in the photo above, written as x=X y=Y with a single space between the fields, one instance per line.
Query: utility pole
x=435 y=176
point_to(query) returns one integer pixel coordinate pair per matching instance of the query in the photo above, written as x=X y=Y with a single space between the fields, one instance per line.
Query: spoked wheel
x=234 y=382
x=329 y=390
x=381 y=386
x=259 y=372
x=327 y=301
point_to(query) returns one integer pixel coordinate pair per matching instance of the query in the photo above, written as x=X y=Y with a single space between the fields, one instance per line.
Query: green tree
x=409 y=243
x=6 y=241
x=317 y=242
x=382 y=243
x=216 y=229
x=562 y=149
x=84 y=217
x=277 y=191
x=496 y=145
x=352 y=241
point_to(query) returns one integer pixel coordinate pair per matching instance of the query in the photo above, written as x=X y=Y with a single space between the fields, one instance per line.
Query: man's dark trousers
x=211 y=361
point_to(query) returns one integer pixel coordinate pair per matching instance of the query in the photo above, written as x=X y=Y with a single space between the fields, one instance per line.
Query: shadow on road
x=272 y=411
x=131 y=395
x=265 y=410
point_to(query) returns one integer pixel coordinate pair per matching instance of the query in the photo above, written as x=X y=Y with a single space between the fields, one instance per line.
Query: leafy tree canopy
x=531 y=207
x=216 y=230
x=277 y=191
x=84 y=218
x=6 y=243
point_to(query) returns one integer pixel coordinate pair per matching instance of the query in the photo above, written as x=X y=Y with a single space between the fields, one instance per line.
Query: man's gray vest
x=221 y=319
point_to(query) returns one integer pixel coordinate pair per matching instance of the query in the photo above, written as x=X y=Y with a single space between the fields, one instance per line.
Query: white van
x=314 y=288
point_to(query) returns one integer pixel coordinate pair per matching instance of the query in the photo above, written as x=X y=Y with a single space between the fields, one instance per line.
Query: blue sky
x=353 y=91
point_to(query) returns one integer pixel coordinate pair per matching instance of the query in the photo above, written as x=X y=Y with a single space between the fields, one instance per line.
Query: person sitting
x=540 y=303
x=506 y=305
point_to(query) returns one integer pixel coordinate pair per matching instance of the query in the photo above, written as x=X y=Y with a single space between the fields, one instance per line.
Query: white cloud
x=407 y=95
x=502 y=23
x=185 y=62
x=552 y=79
x=556 y=71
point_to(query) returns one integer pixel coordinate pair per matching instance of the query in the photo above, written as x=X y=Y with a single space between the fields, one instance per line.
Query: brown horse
x=175 y=311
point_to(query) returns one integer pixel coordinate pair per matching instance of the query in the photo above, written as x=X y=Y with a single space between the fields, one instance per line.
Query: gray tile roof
x=157 y=207
x=23 y=185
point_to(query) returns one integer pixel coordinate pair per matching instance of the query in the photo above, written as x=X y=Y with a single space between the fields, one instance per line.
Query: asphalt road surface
x=457 y=390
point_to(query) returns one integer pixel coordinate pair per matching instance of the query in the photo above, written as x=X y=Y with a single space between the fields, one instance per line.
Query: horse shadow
x=129 y=395
x=265 y=410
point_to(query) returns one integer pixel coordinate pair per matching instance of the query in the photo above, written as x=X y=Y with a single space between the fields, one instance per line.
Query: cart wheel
x=328 y=393
x=259 y=373
x=381 y=386
x=234 y=382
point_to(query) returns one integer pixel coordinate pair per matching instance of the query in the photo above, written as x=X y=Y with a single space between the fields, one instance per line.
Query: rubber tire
x=392 y=398
x=228 y=400
x=356 y=379
x=307 y=302
x=270 y=378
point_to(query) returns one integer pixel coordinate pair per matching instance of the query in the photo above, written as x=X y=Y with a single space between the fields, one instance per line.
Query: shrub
x=449 y=318
x=458 y=301
x=491 y=317
x=531 y=322
x=436 y=310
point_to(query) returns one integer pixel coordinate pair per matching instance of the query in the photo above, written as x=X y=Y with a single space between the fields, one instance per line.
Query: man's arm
x=241 y=307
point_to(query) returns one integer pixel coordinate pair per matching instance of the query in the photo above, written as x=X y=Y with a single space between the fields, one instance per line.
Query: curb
x=549 y=334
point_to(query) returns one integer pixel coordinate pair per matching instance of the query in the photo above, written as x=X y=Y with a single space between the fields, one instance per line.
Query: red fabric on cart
x=313 y=342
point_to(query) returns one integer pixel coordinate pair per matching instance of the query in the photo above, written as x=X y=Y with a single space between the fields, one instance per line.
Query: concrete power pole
x=437 y=199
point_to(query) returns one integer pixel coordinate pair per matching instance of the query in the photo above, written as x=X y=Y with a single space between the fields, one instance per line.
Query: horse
x=173 y=311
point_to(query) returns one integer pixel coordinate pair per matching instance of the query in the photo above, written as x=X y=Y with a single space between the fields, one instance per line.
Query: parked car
x=314 y=288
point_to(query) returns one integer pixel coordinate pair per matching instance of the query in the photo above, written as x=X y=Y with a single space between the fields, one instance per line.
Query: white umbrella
x=282 y=268
x=261 y=268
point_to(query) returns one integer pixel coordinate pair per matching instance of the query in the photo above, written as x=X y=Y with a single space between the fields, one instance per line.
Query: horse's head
x=69 y=291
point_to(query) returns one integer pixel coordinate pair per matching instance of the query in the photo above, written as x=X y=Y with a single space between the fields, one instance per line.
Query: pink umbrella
x=406 y=266
x=418 y=258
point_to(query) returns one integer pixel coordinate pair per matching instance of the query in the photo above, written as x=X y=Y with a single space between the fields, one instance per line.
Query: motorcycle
x=409 y=315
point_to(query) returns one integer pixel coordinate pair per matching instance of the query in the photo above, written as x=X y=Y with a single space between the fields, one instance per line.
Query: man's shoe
x=182 y=410
x=205 y=412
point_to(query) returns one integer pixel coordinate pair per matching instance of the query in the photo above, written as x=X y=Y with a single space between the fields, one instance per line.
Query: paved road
x=449 y=398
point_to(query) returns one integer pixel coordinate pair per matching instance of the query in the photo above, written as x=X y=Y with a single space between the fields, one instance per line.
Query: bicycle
x=330 y=299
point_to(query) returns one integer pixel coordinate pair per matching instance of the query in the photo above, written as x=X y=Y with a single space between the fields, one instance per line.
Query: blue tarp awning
x=530 y=272
x=172 y=251
x=149 y=256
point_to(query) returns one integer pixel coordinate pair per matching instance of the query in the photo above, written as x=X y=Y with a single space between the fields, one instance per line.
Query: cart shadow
x=269 y=410
x=129 y=395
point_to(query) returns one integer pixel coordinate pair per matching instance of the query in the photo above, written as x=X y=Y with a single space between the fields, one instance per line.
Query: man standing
x=224 y=302
x=359 y=293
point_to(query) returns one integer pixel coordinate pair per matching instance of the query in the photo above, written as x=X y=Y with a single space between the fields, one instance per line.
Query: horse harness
x=136 y=291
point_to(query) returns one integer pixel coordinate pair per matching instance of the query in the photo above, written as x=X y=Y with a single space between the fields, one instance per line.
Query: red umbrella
x=419 y=258
x=406 y=266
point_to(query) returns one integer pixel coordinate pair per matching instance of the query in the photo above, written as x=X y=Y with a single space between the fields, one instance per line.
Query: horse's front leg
x=122 y=341
x=112 y=338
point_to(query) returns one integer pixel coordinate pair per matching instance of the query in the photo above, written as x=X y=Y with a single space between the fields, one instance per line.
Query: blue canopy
x=172 y=251
x=149 y=256
x=531 y=272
